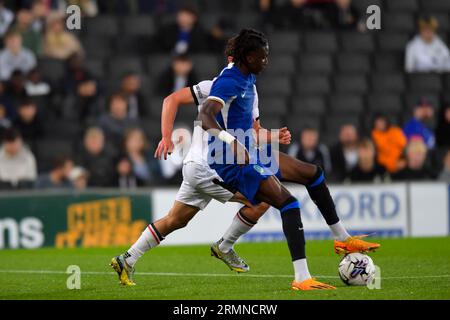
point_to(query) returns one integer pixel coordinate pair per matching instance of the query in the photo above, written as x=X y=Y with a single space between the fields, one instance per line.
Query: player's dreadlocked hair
x=248 y=40
x=229 y=49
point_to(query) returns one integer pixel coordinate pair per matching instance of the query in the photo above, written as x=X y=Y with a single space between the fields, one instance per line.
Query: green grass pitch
x=410 y=269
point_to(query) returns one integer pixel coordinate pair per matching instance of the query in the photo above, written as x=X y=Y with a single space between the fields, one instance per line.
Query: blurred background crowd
x=81 y=108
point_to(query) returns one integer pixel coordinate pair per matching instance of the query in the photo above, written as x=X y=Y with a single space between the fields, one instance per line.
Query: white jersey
x=198 y=151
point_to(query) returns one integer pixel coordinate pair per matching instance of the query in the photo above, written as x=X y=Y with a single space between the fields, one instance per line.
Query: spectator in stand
x=28 y=123
x=443 y=127
x=420 y=124
x=79 y=178
x=294 y=15
x=85 y=103
x=390 y=142
x=59 y=43
x=6 y=18
x=427 y=52
x=343 y=15
x=75 y=73
x=130 y=88
x=15 y=56
x=310 y=150
x=344 y=155
x=416 y=155
x=40 y=10
x=15 y=88
x=97 y=159
x=125 y=176
x=445 y=173
x=116 y=122
x=5 y=122
x=35 y=86
x=144 y=166
x=367 y=169
x=58 y=177
x=186 y=35
x=32 y=39
x=179 y=75
x=17 y=162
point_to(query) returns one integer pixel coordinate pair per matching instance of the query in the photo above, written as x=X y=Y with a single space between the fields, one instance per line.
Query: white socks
x=149 y=238
x=301 y=270
x=239 y=226
x=339 y=231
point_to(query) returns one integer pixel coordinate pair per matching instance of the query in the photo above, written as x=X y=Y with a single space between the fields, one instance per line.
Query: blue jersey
x=235 y=91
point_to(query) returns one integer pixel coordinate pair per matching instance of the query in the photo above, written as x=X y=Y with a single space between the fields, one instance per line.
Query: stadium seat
x=134 y=45
x=272 y=122
x=312 y=84
x=309 y=105
x=122 y=64
x=393 y=41
x=353 y=63
x=444 y=21
x=388 y=82
x=323 y=42
x=403 y=5
x=385 y=103
x=362 y=5
x=103 y=25
x=52 y=70
x=357 y=42
x=67 y=130
x=298 y=123
x=48 y=149
x=247 y=20
x=142 y=25
x=207 y=66
x=284 y=42
x=158 y=63
x=424 y=82
x=316 y=64
x=333 y=124
x=412 y=98
x=350 y=83
x=280 y=64
x=270 y=106
x=398 y=22
x=95 y=67
x=346 y=104
x=275 y=86
x=435 y=5
x=97 y=47
x=388 y=62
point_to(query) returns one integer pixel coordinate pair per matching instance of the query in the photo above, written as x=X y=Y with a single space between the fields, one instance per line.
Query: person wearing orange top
x=390 y=142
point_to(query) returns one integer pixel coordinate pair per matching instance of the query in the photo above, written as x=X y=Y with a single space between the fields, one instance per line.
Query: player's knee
x=317 y=179
x=290 y=203
x=255 y=212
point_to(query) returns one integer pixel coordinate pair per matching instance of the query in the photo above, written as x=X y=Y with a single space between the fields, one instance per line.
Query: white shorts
x=198 y=188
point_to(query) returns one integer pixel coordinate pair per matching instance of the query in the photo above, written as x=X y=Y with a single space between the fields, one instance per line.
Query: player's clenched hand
x=165 y=146
x=284 y=136
x=240 y=152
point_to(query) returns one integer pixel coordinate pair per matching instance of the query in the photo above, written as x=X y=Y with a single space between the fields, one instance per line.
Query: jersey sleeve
x=223 y=89
x=201 y=91
x=255 y=111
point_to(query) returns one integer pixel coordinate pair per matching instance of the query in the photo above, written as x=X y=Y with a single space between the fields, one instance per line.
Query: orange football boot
x=354 y=244
x=311 y=284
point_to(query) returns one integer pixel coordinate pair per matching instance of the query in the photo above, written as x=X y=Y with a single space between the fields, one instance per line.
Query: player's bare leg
x=312 y=176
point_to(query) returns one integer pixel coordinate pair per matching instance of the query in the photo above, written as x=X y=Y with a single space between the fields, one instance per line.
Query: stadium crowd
x=107 y=124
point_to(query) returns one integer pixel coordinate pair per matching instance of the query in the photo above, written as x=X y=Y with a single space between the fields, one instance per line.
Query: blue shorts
x=267 y=159
x=246 y=179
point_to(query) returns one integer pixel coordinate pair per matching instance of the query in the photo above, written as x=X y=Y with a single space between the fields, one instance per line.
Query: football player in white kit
x=201 y=184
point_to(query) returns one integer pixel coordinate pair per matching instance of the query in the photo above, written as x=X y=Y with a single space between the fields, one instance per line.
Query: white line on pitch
x=174 y=274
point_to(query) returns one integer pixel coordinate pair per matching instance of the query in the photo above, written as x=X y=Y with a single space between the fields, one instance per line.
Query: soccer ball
x=356 y=269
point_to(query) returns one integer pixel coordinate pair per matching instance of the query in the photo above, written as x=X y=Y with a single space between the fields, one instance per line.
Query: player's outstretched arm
x=267 y=136
x=207 y=116
x=169 y=113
